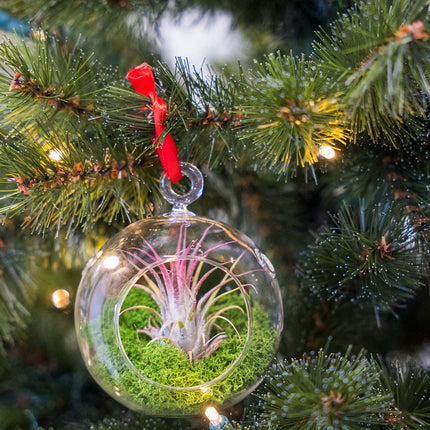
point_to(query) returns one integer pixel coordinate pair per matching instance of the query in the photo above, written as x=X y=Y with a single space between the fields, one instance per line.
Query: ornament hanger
x=143 y=81
x=181 y=201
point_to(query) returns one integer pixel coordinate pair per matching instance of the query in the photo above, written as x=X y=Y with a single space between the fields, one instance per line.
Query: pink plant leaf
x=158 y=280
x=155 y=257
x=158 y=285
x=161 y=266
x=204 y=254
x=174 y=281
x=158 y=298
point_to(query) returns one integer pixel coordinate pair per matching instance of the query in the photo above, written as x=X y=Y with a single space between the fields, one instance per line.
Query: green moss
x=166 y=364
x=163 y=362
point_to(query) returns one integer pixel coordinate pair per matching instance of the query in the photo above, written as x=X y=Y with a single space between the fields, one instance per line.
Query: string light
x=213 y=416
x=217 y=421
x=60 y=298
x=327 y=152
x=39 y=34
x=111 y=262
x=55 y=155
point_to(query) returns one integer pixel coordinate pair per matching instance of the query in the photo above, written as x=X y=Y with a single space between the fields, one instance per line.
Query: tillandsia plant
x=187 y=288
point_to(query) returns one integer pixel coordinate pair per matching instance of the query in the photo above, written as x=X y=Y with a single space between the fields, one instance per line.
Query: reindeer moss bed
x=167 y=365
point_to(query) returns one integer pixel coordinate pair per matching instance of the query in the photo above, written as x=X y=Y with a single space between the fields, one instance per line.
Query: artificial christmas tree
x=322 y=157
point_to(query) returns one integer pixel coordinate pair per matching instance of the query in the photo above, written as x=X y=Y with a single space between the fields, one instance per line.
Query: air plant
x=186 y=316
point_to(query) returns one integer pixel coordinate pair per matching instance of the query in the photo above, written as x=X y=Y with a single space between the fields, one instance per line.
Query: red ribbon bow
x=142 y=79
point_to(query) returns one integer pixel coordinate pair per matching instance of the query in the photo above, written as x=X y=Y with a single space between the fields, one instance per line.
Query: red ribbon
x=142 y=79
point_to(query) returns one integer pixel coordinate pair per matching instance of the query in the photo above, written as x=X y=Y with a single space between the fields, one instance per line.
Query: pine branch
x=368 y=256
x=67 y=158
x=16 y=287
x=400 y=174
x=201 y=114
x=106 y=26
x=409 y=385
x=393 y=168
x=133 y=422
x=289 y=111
x=209 y=116
x=378 y=56
x=42 y=78
x=321 y=390
x=93 y=179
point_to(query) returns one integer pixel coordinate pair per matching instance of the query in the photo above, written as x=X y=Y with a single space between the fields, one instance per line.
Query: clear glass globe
x=177 y=313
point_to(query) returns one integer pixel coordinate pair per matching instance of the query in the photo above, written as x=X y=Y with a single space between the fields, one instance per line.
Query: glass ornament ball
x=178 y=312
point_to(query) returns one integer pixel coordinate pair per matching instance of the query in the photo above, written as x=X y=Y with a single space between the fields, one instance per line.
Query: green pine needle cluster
x=96 y=178
x=368 y=255
x=377 y=56
x=321 y=391
x=409 y=385
x=211 y=116
x=62 y=159
x=53 y=78
x=16 y=288
x=289 y=112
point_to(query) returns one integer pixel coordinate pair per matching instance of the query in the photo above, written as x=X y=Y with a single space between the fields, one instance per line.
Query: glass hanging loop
x=181 y=201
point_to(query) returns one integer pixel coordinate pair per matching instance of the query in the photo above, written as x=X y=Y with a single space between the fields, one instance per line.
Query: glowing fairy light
x=217 y=421
x=39 y=34
x=327 y=152
x=55 y=155
x=111 y=262
x=60 y=298
x=213 y=416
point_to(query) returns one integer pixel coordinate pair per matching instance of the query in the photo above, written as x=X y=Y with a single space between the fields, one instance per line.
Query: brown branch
x=86 y=171
x=215 y=120
x=405 y=34
x=48 y=96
